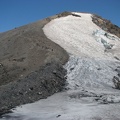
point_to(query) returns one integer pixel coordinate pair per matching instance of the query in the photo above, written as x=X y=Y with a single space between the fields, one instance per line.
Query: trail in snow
x=90 y=70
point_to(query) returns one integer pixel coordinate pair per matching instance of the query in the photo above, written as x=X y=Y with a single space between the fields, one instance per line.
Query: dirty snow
x=90 y=93
x=63 y=107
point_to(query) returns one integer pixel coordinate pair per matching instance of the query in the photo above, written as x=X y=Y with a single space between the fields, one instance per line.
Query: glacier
x=90 y=93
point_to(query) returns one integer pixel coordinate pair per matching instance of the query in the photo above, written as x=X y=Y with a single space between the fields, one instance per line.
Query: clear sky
x=15 y=13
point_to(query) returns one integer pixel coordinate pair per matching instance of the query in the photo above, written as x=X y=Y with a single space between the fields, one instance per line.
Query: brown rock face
x=106 y=25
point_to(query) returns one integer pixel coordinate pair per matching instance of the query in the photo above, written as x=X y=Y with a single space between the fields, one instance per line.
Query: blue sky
x=15 y=13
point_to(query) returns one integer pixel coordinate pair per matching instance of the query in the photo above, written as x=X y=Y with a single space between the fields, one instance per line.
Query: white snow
x=75 y=34
x=90 y=70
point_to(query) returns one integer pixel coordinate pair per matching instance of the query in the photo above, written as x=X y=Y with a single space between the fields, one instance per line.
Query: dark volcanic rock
x=37 y=85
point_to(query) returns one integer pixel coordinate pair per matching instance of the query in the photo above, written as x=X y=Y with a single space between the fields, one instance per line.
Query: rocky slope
x=49 y=79
x=23 y=51
x=106 y=25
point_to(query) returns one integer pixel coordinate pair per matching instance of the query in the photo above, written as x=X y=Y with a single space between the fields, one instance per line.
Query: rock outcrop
x=106 y=25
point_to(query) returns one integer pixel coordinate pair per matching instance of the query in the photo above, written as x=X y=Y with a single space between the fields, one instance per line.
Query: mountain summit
x=73 y=53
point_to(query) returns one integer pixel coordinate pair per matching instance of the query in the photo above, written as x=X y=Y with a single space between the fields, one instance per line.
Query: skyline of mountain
x=18 y=13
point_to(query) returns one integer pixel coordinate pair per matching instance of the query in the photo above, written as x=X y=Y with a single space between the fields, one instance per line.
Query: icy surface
x=90 y=73
x=62 y=107
x=108 y=40
x=90 y=93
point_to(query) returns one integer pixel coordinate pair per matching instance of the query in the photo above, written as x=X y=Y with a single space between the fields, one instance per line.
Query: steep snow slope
x=76 y=35
x=90 y=71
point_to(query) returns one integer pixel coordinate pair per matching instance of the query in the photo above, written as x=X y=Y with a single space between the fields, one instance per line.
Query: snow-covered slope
x=90 y=72
x=76 y=35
